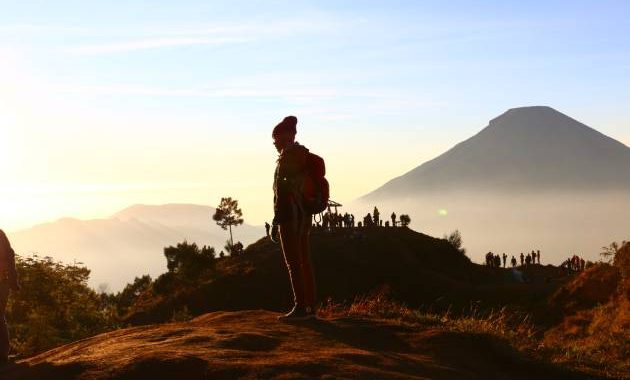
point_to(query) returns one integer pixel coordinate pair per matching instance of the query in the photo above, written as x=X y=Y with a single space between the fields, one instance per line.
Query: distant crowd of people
x=495 y=261
x=333 y=220
x=574 y=263
x=330 y=220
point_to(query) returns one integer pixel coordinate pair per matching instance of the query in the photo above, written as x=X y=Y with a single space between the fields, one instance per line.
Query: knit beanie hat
x=288 y=125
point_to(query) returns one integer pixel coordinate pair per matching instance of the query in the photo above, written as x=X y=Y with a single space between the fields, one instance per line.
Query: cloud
x=291 y=92
x=200 y=35
x=154 y=43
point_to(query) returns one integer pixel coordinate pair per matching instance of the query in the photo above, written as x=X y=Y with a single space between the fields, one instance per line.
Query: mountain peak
x=534 y=117
x=525 y=149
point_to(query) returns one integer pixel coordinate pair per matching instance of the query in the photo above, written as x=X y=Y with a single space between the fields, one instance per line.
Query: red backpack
x=316 y=189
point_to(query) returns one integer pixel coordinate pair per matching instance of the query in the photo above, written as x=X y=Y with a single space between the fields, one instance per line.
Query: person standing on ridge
x=8 y=283
x=267 y=227
x=393 y=219
x=291 y=221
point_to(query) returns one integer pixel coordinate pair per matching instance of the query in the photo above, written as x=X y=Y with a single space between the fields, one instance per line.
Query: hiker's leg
x=290 y=249
x=307 y=267
x=4 y=332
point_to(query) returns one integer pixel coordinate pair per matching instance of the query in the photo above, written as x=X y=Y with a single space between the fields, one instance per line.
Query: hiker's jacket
x=7 y=260
x=288 y=182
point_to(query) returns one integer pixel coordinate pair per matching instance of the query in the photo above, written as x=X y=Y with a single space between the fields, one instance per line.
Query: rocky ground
x=254 y=344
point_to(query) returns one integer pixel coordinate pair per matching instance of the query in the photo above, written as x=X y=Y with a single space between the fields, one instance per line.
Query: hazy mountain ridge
x=130 y=243
x=524 y=149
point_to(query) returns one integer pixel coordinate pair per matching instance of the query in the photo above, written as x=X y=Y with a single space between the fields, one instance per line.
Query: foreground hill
x=129 y=243
x=253 y=344
x=528 y=149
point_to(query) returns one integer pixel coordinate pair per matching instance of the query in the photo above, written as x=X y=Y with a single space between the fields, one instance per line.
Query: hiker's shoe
x=298 y=313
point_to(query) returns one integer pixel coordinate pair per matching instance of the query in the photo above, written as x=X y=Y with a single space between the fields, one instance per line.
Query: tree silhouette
x=54 y=306
x=455 y=239
x=130 y=294
x=405 y=220
x=188 y=260
x=611 y=251
x=228 y=214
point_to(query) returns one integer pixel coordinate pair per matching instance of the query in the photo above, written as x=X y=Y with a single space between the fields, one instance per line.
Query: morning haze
x=533 y=179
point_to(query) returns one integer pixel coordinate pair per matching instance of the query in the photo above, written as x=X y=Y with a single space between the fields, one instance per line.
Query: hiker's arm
x=290 y=167
x=281 y=191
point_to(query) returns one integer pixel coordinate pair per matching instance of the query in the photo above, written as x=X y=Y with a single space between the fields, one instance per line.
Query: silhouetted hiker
x=504 y=259
x=522 y=259
x=222 y=254
x=513 y=261
x=267 y=227
x=291 y=218
x=538 y=256
x=8 y=283
x=528 y=259
x=393 y=219
x=497 y=261
x=533 y=257
x=376 y=215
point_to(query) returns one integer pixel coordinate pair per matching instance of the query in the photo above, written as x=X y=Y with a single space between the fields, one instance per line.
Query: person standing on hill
x=533 y=257
x=504 y=260
x=393 y=219
x=291 y=221
x=267 y=227
x=8 y=283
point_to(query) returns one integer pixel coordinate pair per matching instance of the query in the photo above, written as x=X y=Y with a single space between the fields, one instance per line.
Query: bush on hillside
x=188 y=260
x=54 y=306
x=455 y=239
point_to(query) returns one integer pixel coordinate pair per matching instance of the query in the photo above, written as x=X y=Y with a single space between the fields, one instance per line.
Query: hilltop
x=411 y=267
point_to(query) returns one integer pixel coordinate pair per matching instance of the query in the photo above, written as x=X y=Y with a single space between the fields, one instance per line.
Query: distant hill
x=528 y=149
x=129 y=243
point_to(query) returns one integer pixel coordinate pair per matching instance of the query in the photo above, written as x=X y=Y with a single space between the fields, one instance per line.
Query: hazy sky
x=108 y=103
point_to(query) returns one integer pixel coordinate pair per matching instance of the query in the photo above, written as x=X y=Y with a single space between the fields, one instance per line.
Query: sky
x=105 y=104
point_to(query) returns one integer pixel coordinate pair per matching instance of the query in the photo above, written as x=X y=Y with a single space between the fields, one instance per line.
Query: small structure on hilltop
x=327 y=218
